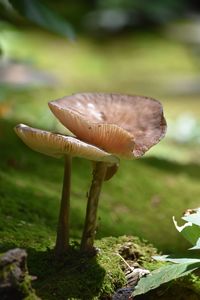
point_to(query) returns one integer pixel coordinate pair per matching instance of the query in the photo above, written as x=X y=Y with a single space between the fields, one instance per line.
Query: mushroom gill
x=123 y=125
x=58 y=145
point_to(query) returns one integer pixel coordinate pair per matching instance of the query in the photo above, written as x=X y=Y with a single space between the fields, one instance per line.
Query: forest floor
x=142 y=197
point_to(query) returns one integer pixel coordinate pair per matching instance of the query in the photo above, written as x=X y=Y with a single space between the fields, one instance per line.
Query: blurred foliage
x=95 y=15
x=152 y=11
x=39 y=13
x=138 y=12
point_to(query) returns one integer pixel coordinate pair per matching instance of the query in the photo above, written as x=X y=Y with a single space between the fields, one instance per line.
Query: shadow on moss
x=167 y=166
x=77 y=276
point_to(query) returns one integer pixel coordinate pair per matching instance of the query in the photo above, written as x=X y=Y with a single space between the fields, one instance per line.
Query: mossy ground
x=78 y=276
x=142 y=197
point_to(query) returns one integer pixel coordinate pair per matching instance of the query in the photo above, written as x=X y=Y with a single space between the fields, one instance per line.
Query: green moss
x=26 y=289
x=80 y=277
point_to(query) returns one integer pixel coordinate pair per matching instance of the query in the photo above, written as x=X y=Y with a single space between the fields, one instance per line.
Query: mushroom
x=123 y=125
x=58 y=145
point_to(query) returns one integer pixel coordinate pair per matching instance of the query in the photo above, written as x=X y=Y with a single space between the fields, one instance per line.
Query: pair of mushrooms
x=106 y=127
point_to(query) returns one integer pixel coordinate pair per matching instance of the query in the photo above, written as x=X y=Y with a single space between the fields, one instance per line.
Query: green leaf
x=193 y=218
x=175 y=260
x=197 y=246
x=163 y=275
x=39 y=13
x=191 y=232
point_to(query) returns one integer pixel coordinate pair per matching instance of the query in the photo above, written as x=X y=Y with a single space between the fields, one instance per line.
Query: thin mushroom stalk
x=99 y=173
x=58 y=145
x=62 y=239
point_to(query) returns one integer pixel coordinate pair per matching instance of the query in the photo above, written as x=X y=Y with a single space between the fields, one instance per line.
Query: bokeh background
x=54 y=48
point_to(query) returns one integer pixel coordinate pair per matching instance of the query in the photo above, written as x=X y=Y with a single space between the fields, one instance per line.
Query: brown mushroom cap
x=124 y=125
x=58 y=145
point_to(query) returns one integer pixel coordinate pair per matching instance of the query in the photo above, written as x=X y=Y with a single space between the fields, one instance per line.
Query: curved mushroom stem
x=62 y=240
x=92 y=206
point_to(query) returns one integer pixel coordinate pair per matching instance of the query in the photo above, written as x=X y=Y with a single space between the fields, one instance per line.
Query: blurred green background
x=50 y=49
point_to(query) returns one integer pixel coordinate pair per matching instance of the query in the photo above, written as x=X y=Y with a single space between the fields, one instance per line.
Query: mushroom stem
x=62 y=240
x=89 y=231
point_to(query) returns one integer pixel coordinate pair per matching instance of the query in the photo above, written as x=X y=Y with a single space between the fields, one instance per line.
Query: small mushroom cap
x=124 y=125
x=58 y=145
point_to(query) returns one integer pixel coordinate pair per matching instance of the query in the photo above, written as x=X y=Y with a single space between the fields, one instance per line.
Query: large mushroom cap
x=58 y=145
x=124 y=125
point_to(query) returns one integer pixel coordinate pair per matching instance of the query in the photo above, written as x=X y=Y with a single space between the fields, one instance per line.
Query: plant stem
x=92 y=206
x=62 y=240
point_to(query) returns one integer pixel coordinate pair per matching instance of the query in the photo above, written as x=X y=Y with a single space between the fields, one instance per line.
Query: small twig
x=131 y=268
